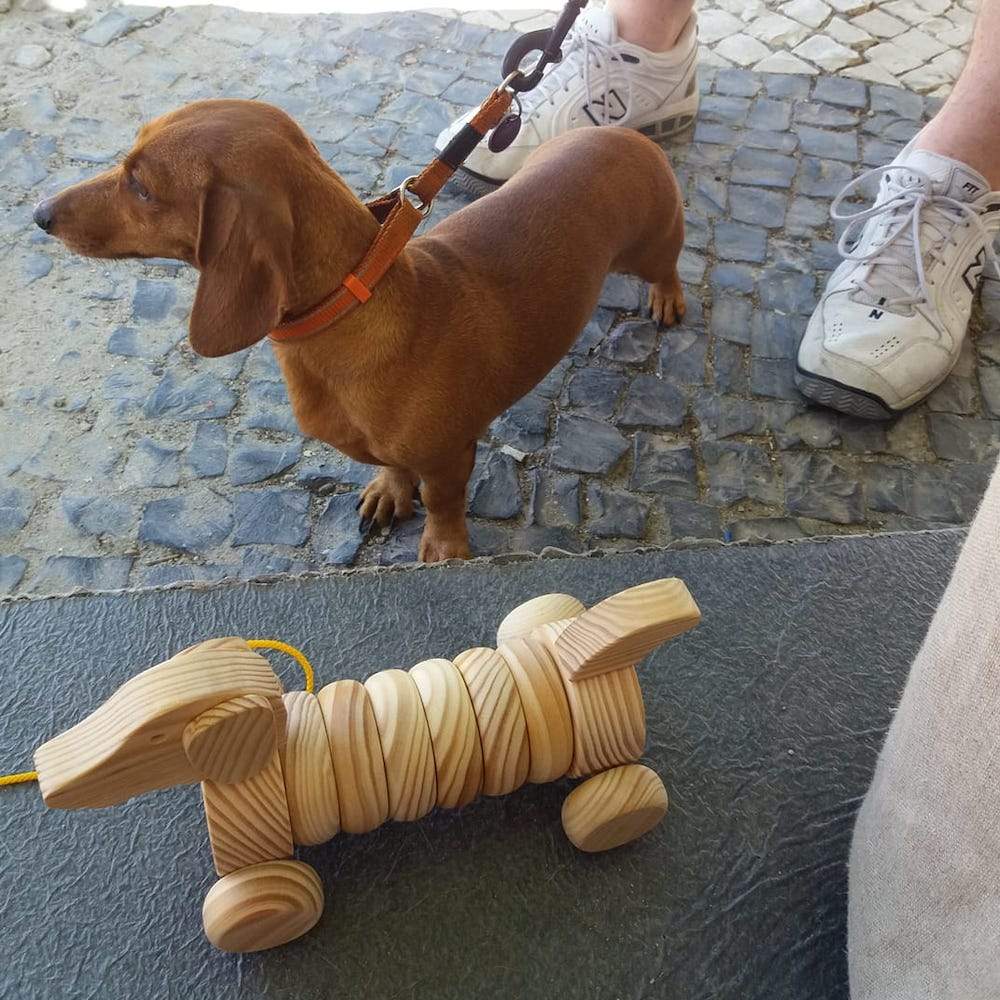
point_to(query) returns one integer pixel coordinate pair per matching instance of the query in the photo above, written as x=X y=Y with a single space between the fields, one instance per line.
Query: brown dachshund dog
x=469 y=318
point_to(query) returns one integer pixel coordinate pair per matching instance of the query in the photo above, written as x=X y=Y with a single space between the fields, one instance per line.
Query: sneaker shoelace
x=902 y=216
x=596 y=57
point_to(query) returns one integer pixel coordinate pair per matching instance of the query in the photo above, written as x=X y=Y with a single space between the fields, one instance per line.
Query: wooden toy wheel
x=614 y=807
x=262 y=906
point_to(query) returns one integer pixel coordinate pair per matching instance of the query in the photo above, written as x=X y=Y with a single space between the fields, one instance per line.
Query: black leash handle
x=547 y=41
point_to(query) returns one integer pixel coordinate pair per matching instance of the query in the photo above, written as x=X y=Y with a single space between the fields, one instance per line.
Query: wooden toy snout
x=559 y=696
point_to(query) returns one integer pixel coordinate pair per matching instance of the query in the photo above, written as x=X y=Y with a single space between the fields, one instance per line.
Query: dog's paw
x=666 y=302
x=388 y=498
x=437 y=548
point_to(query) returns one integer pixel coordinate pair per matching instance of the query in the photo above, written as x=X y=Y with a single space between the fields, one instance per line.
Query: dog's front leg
x=442 y=490
x=388 y=498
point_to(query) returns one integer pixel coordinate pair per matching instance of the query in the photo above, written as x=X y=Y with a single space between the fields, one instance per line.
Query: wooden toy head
x=153 y=731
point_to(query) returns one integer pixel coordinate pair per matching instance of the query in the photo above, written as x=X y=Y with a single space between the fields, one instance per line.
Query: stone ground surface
x=126 y=459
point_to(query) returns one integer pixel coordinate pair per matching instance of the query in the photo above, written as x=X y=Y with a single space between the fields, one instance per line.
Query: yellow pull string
x=282 y=647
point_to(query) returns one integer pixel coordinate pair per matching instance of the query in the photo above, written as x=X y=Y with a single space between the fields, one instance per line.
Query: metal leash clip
x=547 y=41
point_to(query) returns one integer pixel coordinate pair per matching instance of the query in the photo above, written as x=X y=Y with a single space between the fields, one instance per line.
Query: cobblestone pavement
x=128 y=460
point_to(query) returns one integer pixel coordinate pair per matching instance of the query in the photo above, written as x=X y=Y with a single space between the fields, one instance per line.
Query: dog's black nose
x=43 y=215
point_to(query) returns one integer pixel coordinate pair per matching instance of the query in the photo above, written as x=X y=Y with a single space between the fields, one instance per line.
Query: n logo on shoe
x=877 y=313
x=973 y=272
x=615 y=105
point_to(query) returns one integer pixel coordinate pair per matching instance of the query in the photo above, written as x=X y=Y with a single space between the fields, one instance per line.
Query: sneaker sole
x=836 y=396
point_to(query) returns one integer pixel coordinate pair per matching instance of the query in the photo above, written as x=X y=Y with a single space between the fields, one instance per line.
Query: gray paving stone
x=770 y=114
x=963 y=439
x=778 y=142
x=764 y=529
x=208 y=452
x=730 y=110
x=903 y=103
x=786 y=85
x=817 y=486
x=687 y=519
x=631 y=341
x=496 y=493
x=773 y=377
x=336 y=536
x=663 y=466
x=826 y=255
x=736 y=241
x=828 y=144
x=15 y=509
x=186 y=523
x=257 y=461
x=271 y=517
x=731 y=317
x=487 y=539
x=525 y=424
x=621 y=291
x=98 y=515
x=732 y=277
x=730 y=368
x=823 y=115
x=198 y=397
x=758 y=207
x=129 y=342
x=111 y=25
x=35 y=266
x=615 y=513
x=267 y=407
x=710 y=196
x=534 y=538
x=595 y=391
x=260 y=563
x=152 y=464
x=760 y=168
x=552 y=385
x=710 y=132
x=737 y=82
x=815 y=428
x=776 y=334
x=652 y=402
x=739 y=471
x=787 y=292
x=955 y=395
x=989 y=384
x=682 y=357
x=888 y=126
x=11 y=573
x=823 y=178
x=877 y=153
x=555 y=499
x=841 y=90
x=582 y=444
x=65 y=574
x=152 y=300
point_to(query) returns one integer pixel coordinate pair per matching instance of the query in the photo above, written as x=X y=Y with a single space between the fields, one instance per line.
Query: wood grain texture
x=263 y=906
x=546 y=711
x=503 y=732
x=310 y=785
x=248 y=821
x=528 y=616
x=357 y=756
x=232 y=741
x=609 y=717
x=133 y=742
x=614 y=807
x=406 y=744
x=451 y=719
x=623 y=628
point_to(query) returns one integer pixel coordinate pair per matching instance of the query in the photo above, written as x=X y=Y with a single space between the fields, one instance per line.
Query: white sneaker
x=890 y=324
x=601 y=80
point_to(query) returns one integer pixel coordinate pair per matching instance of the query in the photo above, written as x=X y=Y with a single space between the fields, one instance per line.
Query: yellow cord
x=283 y=647
x=25 y=776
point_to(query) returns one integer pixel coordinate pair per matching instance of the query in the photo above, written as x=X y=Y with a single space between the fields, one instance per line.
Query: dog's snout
x=43 y=214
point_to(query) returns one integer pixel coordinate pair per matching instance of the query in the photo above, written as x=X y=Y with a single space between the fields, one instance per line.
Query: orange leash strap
x=399 y=217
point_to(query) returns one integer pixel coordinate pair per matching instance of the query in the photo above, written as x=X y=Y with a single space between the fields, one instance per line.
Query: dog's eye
x=136 y=185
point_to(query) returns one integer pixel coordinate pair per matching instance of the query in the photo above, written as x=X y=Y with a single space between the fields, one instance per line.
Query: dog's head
x=151 y=732
x=207 y=184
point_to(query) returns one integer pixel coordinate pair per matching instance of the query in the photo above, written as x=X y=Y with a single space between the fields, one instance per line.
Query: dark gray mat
x=765 y=723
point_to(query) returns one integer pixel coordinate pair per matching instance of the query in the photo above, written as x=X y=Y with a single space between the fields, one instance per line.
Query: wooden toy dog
x=559 y=697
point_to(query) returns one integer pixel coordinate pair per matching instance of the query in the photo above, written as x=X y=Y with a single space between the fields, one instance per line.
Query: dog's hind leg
x=387 y=498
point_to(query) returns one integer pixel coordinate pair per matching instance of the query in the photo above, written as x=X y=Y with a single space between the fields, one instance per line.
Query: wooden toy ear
x=622 y=629
x=232 y=741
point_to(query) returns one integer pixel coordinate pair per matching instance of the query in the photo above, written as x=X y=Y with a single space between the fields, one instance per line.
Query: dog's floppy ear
x=244 y=255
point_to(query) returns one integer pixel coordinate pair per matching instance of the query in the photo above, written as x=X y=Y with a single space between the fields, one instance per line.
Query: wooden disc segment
x=451 y=719
x=406 y=744
x=310 y=784
x=503 y=732
x=528 y=616
x=357 y=756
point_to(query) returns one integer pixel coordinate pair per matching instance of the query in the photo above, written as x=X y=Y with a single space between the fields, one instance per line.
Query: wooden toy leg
x=614 y=807
x=262 y=906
